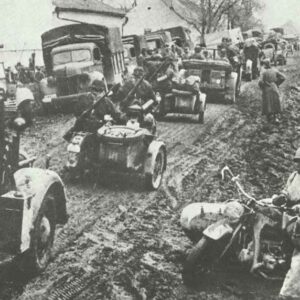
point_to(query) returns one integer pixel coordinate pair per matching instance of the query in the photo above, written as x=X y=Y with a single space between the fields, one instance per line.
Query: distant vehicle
x=185 y=96
x=15 y=96
x=219 y=81
x=32 y=201
x=133 y=45
x=158 y=39
x=75 y=55
x=181 y=36
x=274 y=52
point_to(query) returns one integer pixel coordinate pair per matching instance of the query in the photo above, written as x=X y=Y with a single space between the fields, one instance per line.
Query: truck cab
x=75 y=55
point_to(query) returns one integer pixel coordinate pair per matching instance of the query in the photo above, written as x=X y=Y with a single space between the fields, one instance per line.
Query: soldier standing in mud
x=271 y=79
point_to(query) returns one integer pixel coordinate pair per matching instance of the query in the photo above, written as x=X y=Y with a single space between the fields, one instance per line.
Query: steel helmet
x=297 y=155
x=98 y=85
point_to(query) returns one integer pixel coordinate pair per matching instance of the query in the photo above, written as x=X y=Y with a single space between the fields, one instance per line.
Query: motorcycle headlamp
x=233 y=211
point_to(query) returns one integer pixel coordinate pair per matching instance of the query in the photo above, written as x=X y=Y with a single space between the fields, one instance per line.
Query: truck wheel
x=153 y=181
x=37 y=257
x=248 y=77
x=201 y=117
x=197 y=261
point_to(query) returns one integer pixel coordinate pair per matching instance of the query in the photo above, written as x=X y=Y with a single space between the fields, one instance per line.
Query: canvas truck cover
x=109 y=39
x=212 y=40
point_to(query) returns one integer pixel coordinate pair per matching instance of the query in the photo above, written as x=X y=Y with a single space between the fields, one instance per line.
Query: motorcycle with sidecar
x=250 y=232
x=130 y=148
x=183 y=96
x=32 y=202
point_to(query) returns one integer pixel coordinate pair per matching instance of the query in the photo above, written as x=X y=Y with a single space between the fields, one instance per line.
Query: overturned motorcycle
x=250 y=232
x=123 y=149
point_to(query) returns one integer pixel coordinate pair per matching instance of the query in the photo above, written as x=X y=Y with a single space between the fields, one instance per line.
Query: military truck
x=133 y=46
x=32 y=201
x=75 y=55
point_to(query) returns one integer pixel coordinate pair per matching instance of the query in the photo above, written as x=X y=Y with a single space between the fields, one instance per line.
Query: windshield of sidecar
x=208 y=75
x=64 y=57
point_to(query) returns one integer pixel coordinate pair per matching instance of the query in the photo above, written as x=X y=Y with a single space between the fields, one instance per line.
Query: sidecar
x=196 y=217
x=218 y=80
x=119 y=149
x=183 y=101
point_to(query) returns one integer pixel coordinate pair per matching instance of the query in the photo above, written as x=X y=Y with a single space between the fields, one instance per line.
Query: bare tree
x=216 y=14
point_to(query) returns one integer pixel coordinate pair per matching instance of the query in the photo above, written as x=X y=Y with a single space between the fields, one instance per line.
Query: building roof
x=95 y=6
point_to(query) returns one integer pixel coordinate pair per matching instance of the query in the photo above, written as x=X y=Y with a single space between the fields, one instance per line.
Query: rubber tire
x=193 y=260
x=150 y=182
x=201 y=117
x=248 y=77
x=30 y=262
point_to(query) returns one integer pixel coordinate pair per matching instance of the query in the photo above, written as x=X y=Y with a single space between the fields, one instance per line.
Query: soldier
x=39 y=75
x=105 y=106
x=269 y=83
x=144 y=91
x=197 y=53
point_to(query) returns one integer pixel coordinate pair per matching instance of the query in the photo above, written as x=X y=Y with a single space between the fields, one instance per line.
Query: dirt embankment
x=124 y=243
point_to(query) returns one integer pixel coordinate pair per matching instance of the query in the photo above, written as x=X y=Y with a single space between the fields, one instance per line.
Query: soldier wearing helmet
x=144 y=91
x=197 y=53
x=105 y=106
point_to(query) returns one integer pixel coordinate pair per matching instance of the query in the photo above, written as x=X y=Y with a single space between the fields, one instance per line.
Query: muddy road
x=122 y=242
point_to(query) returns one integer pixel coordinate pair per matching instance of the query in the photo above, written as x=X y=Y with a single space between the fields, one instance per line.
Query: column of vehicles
x=79 y=54
x=76 y=56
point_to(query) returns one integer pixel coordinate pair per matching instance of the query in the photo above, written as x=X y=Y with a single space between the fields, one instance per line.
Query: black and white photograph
x=150 y=150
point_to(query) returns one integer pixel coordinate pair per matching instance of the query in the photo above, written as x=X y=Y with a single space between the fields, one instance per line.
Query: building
x=87 y=11
x=162 y=14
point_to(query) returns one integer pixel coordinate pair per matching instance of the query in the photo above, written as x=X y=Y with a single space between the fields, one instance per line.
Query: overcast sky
x=23 y=21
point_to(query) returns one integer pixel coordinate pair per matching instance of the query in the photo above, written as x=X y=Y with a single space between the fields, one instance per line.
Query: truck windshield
x=71 y=56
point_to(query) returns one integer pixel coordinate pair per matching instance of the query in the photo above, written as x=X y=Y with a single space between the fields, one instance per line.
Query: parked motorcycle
x=247 y=231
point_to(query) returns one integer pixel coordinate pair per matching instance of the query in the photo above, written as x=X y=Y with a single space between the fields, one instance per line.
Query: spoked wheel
x=153 y=181
x=37 y=257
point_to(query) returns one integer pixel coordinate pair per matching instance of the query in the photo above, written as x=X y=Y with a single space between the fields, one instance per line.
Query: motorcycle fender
x=23 y=94
x=218 y=230
x=34 y=184
x=151 y=155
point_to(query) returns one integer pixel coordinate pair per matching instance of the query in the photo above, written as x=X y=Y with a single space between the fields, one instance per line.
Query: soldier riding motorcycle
x=251 y=232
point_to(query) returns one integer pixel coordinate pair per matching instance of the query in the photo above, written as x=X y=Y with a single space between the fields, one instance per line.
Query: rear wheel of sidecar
x=153 y=180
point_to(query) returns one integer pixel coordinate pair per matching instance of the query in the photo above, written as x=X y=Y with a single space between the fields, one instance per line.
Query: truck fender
x=23 y=94
x=152 y=151
x=34 y=184
x=218 y=230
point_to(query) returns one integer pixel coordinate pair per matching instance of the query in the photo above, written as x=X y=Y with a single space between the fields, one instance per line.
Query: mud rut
x=122 y=242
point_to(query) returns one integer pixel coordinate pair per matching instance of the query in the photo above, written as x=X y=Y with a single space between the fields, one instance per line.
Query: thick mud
x=122 y=242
